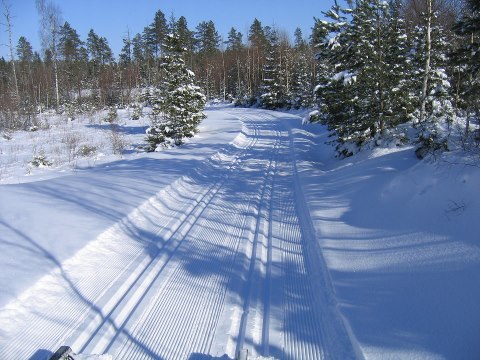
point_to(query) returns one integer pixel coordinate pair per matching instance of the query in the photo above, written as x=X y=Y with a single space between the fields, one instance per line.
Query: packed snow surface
x=251 y=237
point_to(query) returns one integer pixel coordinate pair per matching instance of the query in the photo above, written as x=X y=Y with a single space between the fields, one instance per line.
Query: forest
x=367 y=68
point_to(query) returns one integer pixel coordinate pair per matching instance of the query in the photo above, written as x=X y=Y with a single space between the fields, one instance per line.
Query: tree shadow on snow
x=398 y=272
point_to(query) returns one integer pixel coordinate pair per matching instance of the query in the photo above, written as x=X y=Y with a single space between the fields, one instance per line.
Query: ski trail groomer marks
x=86 y=305
x=219 y=261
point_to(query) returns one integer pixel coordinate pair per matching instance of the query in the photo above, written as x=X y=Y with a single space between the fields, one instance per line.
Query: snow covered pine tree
x=178 y=104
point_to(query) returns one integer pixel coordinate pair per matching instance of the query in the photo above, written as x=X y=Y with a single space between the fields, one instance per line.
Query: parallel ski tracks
x=180 y=340
x=220 y=261
x=89 y=302
x=260 y=257
x=279 y=317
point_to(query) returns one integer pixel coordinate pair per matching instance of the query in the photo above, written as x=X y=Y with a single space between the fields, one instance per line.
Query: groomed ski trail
x=219 y=261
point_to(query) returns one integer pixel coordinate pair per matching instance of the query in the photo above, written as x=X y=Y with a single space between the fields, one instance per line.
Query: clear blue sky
x=112 y=18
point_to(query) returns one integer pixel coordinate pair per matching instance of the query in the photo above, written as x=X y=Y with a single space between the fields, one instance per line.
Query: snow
x=400 y=240
x=250 y=236
x=334 y=43
x=347 y=77
x=92 y=357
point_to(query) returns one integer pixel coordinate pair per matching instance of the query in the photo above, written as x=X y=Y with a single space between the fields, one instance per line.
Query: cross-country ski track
x=218 y=261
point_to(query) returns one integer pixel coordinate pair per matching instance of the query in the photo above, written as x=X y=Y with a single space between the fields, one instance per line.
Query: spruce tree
x=362 y=89
x=399 y=100
x=299 y=41
x=187 y=38
x=301 y=89
x=177 y=106
x=337 y=91
x=466 y=59
x=430 y=82
x=272 y=93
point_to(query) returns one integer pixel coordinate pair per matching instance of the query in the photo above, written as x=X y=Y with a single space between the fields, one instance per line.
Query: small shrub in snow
x=87 y=150
x=430 y=145
x=71 y=111
x=117 y=140
x=7 y=135
x=137 y=112
x=314 y=116
x=470 y=141
x=112 y=115
x=71 y=141
x=40 y=161
x=45 y=125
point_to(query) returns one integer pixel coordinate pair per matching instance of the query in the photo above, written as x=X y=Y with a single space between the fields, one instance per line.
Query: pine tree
x=177 y=106
x=256 y=56
x=207 y=45
x=235 y=67
x=149 y=44
x=137 y=49
x=256 y=35
x=24 y=50
x=69 y=43
x=73 y=53
x=98 y=49
x=159 y=30
x=126 y=56
x=207 y=38
x=234 y=42
x=152 y=39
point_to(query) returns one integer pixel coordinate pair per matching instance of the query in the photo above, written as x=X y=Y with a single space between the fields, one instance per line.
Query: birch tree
x=8 y=24
x=50 y=21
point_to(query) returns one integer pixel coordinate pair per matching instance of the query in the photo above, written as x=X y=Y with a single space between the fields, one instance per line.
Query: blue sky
x=112 y=18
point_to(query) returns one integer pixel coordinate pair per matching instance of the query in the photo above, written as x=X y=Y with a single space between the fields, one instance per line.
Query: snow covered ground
x=251 y=236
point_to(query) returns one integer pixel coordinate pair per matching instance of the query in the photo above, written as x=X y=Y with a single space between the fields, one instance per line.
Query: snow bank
x=400 y=240
x=398 y=237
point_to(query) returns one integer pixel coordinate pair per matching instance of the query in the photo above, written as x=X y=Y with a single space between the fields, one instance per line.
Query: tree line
x=71 y=74
x=368 y=67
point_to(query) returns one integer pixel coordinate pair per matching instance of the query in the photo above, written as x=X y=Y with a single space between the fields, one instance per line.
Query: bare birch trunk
x=8 y=19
